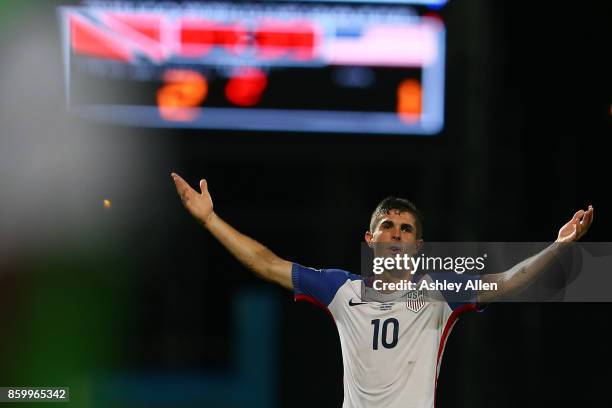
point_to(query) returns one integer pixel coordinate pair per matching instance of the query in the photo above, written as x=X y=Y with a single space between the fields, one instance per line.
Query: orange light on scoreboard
x=182 y=92
x=409 y=100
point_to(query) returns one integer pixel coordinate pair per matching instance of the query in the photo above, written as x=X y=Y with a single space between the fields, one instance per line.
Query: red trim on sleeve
x=449 y=325
x=452 y=319
x=314 y=301
x=310 y=299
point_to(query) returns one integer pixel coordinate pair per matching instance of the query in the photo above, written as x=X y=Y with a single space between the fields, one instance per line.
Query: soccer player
x=391 y=351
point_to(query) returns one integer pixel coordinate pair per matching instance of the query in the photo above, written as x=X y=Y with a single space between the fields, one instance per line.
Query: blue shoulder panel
x=319 y=284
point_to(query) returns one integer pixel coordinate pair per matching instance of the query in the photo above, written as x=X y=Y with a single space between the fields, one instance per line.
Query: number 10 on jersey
x=382 y=332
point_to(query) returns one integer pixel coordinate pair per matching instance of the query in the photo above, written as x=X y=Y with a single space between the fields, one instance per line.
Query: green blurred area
x=63 y=317
x=68 y=323
x=10 y=8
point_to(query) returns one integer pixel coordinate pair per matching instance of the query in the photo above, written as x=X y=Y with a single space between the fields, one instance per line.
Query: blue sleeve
x=318 y=285
x=466 y=296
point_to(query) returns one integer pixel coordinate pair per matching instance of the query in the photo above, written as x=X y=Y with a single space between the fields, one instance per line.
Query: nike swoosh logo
x=356 y=304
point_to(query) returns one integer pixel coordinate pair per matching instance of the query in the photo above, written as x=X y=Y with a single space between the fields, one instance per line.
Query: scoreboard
x=369 y=68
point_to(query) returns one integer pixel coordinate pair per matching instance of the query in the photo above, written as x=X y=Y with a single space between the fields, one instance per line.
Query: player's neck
x=395 y=275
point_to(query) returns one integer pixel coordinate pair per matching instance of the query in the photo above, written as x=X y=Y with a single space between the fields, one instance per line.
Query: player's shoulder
x=341 y=274
x=334 y=274
x=320 y=284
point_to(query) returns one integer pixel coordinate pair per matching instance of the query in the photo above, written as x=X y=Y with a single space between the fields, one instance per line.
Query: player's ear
x=368 y=238
x=419 y=245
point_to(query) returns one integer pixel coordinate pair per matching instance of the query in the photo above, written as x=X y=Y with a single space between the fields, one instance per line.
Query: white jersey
x=391 y=352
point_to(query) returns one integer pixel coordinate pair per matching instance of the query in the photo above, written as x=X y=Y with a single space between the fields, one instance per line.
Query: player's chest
x=384 y=326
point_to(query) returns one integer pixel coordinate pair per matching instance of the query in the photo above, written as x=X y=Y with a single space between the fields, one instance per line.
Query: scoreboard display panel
x=274 y=66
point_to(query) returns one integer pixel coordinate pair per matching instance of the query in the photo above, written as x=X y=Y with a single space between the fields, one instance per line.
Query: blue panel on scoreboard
x=362 y=69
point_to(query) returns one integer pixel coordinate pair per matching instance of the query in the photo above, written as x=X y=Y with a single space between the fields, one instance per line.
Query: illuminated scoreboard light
x=275 y=67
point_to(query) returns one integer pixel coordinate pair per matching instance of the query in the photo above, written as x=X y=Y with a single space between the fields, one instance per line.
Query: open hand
x=200 y=205
x=575 y=228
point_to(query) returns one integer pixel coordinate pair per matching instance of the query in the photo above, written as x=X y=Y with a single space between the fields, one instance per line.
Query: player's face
x=395 y=232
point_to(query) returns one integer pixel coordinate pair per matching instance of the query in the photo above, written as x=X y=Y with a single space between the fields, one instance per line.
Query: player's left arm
x=521 y=275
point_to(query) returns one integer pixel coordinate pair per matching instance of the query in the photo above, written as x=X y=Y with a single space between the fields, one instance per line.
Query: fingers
x=575 y=221
x=587 y=219
x=582 y=221
x=203 y=186
x=578 y=216
x=182 y=187
x=578 y=225
x=180 y=184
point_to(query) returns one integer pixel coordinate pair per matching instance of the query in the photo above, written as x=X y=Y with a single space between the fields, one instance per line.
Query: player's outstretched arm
x=521 y=275
x=249 y=252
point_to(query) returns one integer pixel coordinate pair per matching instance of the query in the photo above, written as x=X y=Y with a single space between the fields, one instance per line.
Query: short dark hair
x=401 y=205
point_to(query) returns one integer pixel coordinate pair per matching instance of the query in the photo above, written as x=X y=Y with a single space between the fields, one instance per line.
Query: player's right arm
x=253 y=255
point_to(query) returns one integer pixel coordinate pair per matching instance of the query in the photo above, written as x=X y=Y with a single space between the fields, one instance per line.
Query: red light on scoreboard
x=277 y=39
x=123 y=35
x=198 y=36
x=182 y=92
x=246 y=87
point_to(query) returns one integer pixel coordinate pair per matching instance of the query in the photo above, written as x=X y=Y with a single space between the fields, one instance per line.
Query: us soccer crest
x=415 y=300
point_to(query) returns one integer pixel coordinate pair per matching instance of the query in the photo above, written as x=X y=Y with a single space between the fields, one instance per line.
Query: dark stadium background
x=132 y=305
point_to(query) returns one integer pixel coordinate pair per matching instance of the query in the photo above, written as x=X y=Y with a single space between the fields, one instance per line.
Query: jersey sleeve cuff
x=295 y=280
